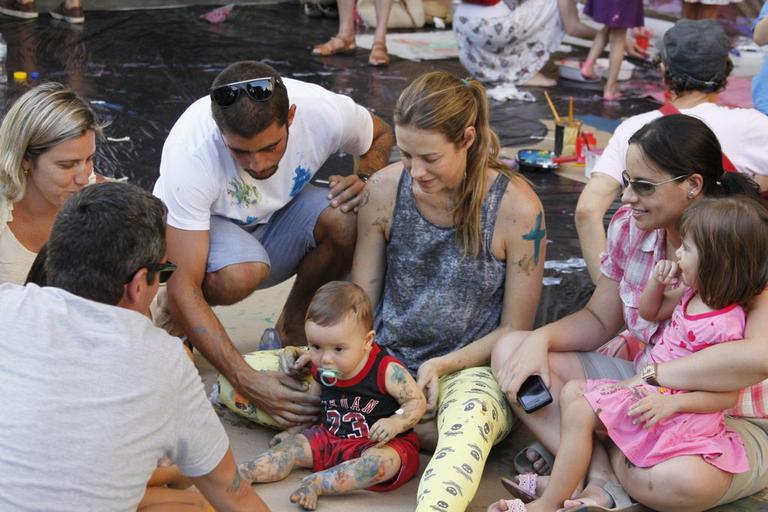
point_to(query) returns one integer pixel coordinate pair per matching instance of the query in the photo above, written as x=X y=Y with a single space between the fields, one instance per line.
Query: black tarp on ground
x=141 y=69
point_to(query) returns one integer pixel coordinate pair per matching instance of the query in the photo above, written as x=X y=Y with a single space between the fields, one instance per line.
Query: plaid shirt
x=629 y=257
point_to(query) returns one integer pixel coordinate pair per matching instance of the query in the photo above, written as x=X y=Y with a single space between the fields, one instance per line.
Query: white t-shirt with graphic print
x=199 y=177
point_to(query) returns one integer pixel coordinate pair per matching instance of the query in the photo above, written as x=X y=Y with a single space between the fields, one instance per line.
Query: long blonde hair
x=438 y=101
x=43 y=117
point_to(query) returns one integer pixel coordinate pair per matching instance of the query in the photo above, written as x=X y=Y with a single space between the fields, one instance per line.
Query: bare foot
x=591 y=495
x=306 y=495
x=539 y=80
x=247 y=470
x=540 y=465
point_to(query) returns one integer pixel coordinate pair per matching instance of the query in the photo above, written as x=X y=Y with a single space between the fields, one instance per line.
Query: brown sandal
x=334 y=46
x=379 y=56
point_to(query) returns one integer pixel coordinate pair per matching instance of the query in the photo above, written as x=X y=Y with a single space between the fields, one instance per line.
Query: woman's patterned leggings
x=473 y=415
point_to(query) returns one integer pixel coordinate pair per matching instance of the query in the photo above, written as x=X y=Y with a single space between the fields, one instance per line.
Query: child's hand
x=653 y=408
x=665 y=272
x=384 y=430
x=294 y=361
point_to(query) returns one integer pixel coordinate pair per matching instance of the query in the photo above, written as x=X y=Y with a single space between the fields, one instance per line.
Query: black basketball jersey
x=352 y=406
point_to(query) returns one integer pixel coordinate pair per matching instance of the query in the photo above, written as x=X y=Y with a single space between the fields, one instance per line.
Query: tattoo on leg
x=276 y=463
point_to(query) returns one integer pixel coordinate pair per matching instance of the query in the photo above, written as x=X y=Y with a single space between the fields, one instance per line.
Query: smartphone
x=533 y=394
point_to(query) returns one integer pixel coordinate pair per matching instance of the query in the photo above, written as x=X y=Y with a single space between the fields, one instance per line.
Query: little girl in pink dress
x=683 y=433
x=722 y=262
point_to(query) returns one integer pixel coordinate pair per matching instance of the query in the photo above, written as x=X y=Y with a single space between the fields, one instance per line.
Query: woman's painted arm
x=373 y=220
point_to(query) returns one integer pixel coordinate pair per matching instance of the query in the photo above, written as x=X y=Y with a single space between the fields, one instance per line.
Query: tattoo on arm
x=536 y=235
x=234 y=486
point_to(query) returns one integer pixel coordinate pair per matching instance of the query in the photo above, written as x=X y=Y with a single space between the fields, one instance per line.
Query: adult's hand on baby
x=530 y=357
x=428 y=380
x=281 y=396
x=384 y=431
x=347 y=192
x=653 y=408
x=295 y=361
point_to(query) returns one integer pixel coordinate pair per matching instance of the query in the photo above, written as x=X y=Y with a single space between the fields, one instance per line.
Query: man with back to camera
x=234 y=174
x=95 y=393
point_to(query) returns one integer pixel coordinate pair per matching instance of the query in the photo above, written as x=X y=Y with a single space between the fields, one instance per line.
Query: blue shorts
x=281 y=243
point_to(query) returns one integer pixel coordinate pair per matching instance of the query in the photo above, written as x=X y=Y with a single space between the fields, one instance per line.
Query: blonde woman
x=451 y=249
x=47 y=144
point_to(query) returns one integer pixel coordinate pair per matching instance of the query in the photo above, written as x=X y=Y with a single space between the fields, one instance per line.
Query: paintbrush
x=552 y=107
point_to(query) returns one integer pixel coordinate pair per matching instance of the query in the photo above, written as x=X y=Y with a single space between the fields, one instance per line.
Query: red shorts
x=329 y=450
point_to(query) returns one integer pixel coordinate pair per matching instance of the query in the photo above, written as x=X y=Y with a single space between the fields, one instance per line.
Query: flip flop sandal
x=621 y=501
x=524 y=488
x=334 y=46
x=513 y=506
x=379 y=57
x=523 y=465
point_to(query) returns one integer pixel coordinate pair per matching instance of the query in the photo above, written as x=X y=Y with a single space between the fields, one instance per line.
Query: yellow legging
x=472 y=416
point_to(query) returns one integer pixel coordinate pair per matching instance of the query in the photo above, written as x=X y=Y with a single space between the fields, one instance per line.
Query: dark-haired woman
x=671 y=164
x=696 y=65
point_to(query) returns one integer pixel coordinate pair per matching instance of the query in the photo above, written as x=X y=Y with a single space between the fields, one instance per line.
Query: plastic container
x=3 y=57
x=625 y=72
x=570 y=69
x=536 y=160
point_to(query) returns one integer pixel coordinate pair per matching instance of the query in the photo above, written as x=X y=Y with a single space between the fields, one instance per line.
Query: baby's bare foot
x=247 y=470
x=306 y=495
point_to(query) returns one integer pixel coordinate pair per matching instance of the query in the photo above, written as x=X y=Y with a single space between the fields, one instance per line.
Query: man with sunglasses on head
x=95 y=394
x=235 y=174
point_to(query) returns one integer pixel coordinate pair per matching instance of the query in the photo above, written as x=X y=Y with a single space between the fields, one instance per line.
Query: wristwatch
x=648 y=374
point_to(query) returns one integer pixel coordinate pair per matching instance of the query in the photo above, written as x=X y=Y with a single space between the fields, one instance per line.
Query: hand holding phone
x=533 y=394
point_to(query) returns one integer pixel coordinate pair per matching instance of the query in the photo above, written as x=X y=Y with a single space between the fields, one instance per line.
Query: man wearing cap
x=695 y=63
x=242 y=216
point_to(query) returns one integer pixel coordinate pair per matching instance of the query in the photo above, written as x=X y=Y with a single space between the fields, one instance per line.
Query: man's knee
x=336 y=227
x=233 y=283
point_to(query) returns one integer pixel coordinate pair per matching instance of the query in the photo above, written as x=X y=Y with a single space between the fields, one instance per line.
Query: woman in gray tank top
x=451 y=250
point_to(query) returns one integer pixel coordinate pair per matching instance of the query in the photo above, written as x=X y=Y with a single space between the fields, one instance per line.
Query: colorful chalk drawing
x=300 y=178
x=243 y=193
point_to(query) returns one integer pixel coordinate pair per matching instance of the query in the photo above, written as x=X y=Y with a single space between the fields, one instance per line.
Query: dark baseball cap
x=697 y=50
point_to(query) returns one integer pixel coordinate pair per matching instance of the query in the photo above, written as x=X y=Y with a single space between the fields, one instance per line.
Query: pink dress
x=683 y=433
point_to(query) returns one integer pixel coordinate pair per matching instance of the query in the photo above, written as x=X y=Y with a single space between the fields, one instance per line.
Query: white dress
x=506 y=45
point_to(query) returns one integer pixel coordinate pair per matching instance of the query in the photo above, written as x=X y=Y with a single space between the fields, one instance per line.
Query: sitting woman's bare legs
x=677 y=485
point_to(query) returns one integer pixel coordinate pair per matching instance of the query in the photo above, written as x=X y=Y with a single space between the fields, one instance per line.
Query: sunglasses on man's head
x=644 y=187
x=258 y=89
x=164 y=271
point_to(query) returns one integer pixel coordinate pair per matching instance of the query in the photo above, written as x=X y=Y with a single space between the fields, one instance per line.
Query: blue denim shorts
x=281 y=243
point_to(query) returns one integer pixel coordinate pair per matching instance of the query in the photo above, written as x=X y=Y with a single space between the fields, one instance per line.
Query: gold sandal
x=379 y=56
x=333 y=46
